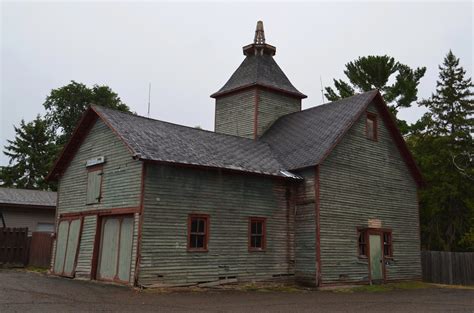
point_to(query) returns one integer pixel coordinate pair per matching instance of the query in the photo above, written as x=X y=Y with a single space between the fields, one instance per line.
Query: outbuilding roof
x=27 y=197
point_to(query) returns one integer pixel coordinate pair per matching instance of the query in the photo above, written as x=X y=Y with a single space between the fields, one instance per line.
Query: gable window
x=257 y=236
x=387 y=244
x=94 y=185
x=371 y=126
x=198 y=232
x=362 y=243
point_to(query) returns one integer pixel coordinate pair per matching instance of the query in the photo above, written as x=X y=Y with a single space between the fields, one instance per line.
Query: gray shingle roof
x=26 y=197
x=162 y=141
x=303 y=138
x=259 y=70
x=294 y=141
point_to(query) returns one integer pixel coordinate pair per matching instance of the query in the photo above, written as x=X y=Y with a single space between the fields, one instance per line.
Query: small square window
x=257 y=236
x=94 y=185
x=371 y=126
x=198 y=232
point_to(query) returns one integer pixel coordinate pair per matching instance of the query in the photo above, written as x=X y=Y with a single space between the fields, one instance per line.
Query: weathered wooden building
x=326 y=195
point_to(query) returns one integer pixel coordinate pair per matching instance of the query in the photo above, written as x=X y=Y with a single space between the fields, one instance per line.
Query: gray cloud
x=188 y=50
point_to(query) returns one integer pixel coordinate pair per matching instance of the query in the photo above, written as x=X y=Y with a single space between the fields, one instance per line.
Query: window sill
x=197 y=250
x=256 y=250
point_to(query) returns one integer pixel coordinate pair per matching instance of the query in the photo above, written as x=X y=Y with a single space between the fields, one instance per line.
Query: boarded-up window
x=198 y=232
x=371 y=126
x=257 y=236
x=94 y=185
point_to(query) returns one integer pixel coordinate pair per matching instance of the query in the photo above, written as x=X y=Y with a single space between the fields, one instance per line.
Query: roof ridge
x=171 y=123
x=328 y=103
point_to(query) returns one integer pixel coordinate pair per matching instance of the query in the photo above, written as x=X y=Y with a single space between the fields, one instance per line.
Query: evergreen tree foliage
x=31 y=155
x=374 y=72
x=442 y=143
x=65 y=106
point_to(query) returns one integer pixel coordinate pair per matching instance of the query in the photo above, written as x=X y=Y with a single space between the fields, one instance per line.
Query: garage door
x=67 y=243
x=116 y=249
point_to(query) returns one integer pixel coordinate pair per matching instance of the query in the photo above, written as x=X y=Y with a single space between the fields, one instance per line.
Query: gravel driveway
x=31 y=292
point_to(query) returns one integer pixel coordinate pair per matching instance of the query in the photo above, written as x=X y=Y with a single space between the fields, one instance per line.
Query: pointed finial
x=259 y=34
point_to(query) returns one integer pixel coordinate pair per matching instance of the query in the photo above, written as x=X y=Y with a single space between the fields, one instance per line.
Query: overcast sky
x=188 y=50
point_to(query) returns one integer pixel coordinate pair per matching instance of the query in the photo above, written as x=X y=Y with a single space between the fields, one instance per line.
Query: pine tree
x=31 y=154
x=451 y=107
x=442 y=144
x=374 y=72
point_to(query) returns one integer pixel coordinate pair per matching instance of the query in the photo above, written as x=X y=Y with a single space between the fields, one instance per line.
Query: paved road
x=31 y=292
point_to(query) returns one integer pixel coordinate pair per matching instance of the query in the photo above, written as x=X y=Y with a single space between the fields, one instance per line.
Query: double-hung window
x=257 y=236
x=198 y=232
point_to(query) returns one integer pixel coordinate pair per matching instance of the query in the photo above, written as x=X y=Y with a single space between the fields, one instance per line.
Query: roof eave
x=294 y=94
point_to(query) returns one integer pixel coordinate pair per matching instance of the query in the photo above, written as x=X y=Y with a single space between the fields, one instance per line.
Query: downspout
x=3 y=220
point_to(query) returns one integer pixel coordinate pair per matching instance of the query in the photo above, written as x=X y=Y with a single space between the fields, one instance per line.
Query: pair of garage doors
x=115 y=250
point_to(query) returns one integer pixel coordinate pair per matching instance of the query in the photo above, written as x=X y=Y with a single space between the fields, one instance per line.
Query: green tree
x=443 y=146
x=451 y=107
x=374 y=72
x=31 y=154
x=65 y=106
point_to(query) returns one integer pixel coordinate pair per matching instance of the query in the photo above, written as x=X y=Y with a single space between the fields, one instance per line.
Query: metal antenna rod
x=149 y=97
x=322 y=90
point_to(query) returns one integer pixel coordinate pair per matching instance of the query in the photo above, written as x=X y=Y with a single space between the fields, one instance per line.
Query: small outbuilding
x=325 y=196
x=34 y=209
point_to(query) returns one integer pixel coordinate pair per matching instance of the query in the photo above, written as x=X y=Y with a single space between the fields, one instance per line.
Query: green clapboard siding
x=235 y=113
x=84 y=262
x=305 y=230
x=171 y=193
x=121 y=174
x=361 y=180
x=121 y=183
x=272 y=106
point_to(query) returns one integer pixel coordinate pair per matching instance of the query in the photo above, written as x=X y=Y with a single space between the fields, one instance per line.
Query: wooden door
x=376 y=258
x=67 y=244
x=116 y=249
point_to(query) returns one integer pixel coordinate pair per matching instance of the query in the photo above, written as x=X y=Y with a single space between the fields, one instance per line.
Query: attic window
x=94 y=184
x=371 y=126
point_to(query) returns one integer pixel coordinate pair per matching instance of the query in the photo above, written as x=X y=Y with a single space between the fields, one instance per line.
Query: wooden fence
x=40 y=249
x=14 y=246
x=454 y=268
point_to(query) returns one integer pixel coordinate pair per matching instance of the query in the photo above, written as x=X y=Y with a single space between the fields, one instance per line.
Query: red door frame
x=379 y=232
